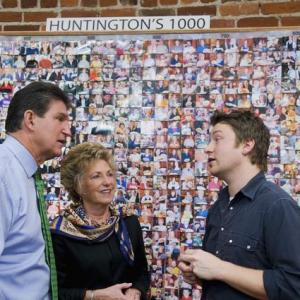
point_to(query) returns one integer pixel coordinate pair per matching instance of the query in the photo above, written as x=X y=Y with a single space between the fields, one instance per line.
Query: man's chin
x=54 y=154
x=212 y=171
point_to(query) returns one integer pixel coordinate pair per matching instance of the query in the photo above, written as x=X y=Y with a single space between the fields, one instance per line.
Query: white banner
x=117 y=24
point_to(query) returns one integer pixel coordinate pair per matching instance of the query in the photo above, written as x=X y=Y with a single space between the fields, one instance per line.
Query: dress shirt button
x=231 y=207
x=230 y=241
x=222 y=228
x=217 y=252
x=248 y=247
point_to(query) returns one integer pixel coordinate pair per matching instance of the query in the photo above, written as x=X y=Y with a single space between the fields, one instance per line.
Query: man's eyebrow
x=61 y=114
x=216 y=131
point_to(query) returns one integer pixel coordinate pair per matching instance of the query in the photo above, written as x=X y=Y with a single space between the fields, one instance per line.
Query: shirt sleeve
x=6 y=215
x=282 y=243
x=207 y=229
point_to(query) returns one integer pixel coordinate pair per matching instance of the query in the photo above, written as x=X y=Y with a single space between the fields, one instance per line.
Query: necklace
x=96 y=221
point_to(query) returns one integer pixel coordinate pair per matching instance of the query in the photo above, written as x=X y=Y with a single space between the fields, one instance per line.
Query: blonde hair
x=76 y=162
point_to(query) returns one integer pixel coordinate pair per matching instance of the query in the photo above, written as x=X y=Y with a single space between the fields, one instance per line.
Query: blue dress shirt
x=24 y=273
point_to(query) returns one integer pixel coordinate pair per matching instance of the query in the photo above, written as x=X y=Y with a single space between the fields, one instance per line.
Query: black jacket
x=87 y=265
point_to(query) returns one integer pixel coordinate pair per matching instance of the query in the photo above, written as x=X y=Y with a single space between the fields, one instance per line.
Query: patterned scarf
x=75 y=223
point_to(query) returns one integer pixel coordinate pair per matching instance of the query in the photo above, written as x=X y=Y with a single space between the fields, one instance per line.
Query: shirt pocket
x=240 y=249
x=212 y=232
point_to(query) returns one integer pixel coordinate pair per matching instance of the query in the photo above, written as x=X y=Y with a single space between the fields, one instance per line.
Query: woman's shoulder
x=131 y=219
x=132 y=223
x=61 y=230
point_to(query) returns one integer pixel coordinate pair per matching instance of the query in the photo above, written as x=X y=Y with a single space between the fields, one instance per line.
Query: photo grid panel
x=149 y=100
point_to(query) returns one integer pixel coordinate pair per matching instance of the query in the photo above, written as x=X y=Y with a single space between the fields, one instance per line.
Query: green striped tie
x=50 y=260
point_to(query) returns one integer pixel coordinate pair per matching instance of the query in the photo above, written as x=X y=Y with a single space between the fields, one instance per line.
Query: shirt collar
x=250 y=189
x=24 y=157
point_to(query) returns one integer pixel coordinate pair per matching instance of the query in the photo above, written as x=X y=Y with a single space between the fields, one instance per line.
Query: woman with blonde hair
x=98 y=248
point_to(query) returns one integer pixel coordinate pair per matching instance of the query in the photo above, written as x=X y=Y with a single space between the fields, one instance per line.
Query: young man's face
x=224 y=156
x=51 y=131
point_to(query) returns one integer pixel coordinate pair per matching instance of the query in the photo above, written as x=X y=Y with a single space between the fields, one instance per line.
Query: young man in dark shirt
x=251 y=245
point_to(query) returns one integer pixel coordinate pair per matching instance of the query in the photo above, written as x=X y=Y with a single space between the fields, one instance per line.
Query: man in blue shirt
x=251 y=245
x=37 y=125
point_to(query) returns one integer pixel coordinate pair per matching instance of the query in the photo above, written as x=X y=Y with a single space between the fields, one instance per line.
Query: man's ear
x=248 y=146
x=29 y=119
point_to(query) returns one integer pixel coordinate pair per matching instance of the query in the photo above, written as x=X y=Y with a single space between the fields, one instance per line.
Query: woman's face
x=98 y=184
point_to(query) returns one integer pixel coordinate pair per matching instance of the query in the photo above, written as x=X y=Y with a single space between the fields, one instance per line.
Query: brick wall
x=19 y=15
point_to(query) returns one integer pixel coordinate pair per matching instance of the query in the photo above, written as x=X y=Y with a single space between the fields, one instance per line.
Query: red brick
x=68 y=3
x=168 y=2
x=79 y=13
x=224 y=1
x=280 y=8
x=229 y=10
x=184 y=2
x=149 y=3
x=198 y=10
x=249 y=8
x=89 y=3
x=258 y=22
x=28 y=3
x=241 y=9
x=48 y=3
x=9 y=3
x=21 y=28
x=290 y=21
x=40 y=16
x=10 y=16
x=123 y=12
x=157 y=12
x=108 y=3
x=221 y=23
x=207 y=1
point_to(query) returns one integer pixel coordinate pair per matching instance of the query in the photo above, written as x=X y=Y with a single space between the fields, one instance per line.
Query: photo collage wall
x=149 y=99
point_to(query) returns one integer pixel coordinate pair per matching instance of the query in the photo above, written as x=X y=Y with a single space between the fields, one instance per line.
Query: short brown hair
x=247 y=126
x=75 y=163
x=35 y=96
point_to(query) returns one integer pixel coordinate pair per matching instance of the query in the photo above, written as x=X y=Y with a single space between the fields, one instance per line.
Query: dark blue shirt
x=259 y=229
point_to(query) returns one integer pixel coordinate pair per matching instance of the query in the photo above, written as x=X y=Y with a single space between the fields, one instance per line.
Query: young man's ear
x=29 y=119
x=248 y=146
